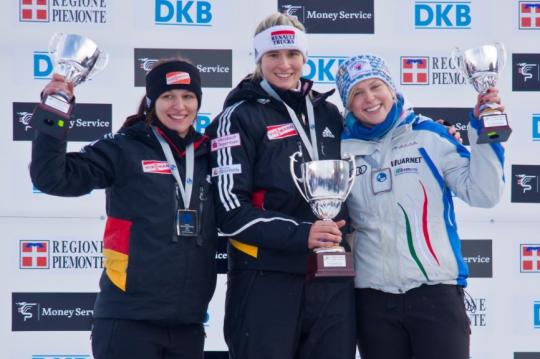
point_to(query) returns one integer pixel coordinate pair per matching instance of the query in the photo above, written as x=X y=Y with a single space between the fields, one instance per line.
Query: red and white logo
x=34 y=254
x=178 y=78
x=530 y=258
x=232 y=140
x=415 y=70
x=151 y=166
x=282 y=37
x=529 y=14
x=277 y=132
x=34 y=10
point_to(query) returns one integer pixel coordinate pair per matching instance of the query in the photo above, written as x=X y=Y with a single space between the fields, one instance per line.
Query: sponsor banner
x=529 y=15
x=429 y=70
x=525 y=72
x=89 y=121
x=322 y=69
x=457 y=116
x=429 y=14
x=525 y=184
x=52 y=311
x=65 y=11
x=43 y=66
x=478 y=254
x=203 y=120
x=60 y=254
x=214 y=65
x=183 y=13
x=332 y=17
x=476 y=310
x=529 y=255
x=527 y=355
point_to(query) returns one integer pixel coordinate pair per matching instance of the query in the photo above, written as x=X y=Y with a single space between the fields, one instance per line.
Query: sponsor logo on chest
x=151 y=166
x=277 y=132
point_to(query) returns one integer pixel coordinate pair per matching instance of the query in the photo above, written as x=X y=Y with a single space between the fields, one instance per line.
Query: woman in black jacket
x=160 y=236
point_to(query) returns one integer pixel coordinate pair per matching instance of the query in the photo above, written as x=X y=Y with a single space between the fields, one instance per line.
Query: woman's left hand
x=451 y=130
x=491 y=96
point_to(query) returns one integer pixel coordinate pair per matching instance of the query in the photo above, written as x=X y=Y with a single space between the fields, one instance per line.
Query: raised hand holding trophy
x=325 y=186
x=481 y=66
x=77 y=58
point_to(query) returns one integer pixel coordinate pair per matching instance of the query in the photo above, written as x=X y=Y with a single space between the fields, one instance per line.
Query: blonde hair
x=275 y=19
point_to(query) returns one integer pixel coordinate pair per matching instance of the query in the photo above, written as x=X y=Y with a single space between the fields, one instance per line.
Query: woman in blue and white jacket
x=410 y=271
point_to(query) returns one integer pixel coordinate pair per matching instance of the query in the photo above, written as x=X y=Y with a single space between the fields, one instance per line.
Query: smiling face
x=370 y=101
x=177 y=109
x=282 y=68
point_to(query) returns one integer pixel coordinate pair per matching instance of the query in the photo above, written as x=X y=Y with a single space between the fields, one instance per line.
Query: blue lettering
x=324 y=70
x=169 y=11
x=204 y=16
x=43 y=66
x=183 y=12
x=463 y=15
x=423 y=15
x=310 y=74
x=203 y=120
x=442 y=15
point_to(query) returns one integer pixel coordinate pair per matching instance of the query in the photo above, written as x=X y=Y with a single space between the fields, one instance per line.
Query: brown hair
x=149 y=116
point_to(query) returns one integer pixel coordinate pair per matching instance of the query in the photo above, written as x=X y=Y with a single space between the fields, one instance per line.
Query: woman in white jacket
x=410 y=271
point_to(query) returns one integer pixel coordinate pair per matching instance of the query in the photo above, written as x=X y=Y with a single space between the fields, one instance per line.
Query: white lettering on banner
x=477 y=259
x=214 y=69
x=225 y=141
x=338 y=15
x=82 y=123
x=281 y=131
x=225 y=170
x=68 y=313
x=161 y=167
x=221 y=255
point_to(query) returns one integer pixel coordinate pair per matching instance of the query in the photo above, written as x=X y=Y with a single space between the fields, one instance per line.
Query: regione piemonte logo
x=529 y=15
x=34 y=10
x=415 y=70
x=33 y=254
x=530 y=258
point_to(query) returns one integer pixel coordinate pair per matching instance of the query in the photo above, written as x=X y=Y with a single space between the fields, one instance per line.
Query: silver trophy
x=481 y=66
x=77 y=58
x=325 y=185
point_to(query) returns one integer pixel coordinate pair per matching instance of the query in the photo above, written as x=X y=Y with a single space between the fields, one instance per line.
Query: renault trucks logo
x=56 y=11
x=34 y=10
x=442 y=14
x=429 y=70
x=322 y=69
x=183 y=13
x=88 y=123
x=530 y=258
x=43 y=66
x=332 y=17
x=529 y=15
x=477 y=253
x=525 y=72
x=34 y=255
x=52 y=311
x=282 y=37
x=215 y=66
x=414 y=70
x=525 y=184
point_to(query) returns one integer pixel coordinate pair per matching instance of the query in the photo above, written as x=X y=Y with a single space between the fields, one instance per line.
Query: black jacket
x=150 y=272
x=257 y=204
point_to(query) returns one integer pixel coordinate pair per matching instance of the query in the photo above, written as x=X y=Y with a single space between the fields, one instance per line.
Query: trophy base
x=495 y=128
x=52 y=117
x=330 y=264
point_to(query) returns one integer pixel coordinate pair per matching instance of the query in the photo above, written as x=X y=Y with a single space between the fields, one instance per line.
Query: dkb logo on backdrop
x=442 y=14
x=322 y=69
x=458 y=116
x=52 y=311
x=525 y=72
x=64 y=11
x=525 y=184
x=332 y=17
x=90 y=121
x=477 y=253
x=43 y=66
x=183 y=13
x=215 y=66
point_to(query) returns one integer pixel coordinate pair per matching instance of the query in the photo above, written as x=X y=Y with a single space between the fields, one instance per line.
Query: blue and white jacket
x=406 y=234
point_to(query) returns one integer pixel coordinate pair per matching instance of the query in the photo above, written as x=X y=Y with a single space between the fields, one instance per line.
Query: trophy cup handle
x=352 y=175
x=457 y=58
x=296 y=179
x=53 y=42
x=501 y=55
x=101 y=63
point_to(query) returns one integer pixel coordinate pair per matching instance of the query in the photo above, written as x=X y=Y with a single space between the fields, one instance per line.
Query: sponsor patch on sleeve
x=225 y=141
x=226 y=170
x=151 y=166
x=277 y=132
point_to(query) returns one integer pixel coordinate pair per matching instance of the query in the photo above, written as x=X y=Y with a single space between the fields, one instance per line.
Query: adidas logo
x=327 y=133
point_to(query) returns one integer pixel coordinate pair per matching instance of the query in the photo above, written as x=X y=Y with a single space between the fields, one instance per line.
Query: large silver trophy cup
x=77 y=58
x=325 y=185
x=481 y=66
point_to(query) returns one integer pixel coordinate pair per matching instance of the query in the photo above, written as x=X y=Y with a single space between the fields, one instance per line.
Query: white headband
x=283 y=37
